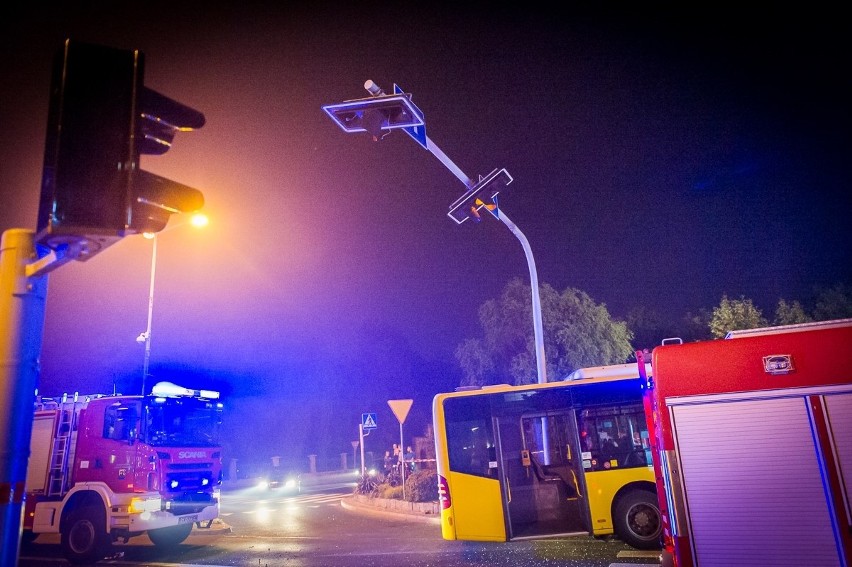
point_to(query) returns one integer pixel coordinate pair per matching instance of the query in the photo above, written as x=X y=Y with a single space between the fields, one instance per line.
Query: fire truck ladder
x=66 y=424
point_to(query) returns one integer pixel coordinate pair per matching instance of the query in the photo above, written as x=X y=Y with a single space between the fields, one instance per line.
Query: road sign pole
x=402 y=460
x=400 y=409
x=361 y=439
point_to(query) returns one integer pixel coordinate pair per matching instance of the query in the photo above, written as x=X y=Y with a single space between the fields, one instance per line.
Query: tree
x=577 y=333
x=648 y=328
x=833 y=303
x=735 y=314
x=696 y=326
x=790 y=313
x=475 y=362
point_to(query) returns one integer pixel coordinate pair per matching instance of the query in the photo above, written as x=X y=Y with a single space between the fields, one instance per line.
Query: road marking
x=117 y=561
x=635 y=553
x=321 y=498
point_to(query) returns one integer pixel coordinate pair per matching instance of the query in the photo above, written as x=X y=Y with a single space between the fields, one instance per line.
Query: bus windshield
x=186 y=422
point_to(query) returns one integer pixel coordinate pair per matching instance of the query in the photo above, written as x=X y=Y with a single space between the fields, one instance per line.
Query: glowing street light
x=197 y=220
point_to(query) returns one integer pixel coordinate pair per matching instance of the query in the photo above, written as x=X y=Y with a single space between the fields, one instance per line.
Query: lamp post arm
x=448 y=163
x=541 y=365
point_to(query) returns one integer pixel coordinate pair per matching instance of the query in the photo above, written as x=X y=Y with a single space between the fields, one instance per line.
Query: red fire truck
x=105 y=468
x=752 y=446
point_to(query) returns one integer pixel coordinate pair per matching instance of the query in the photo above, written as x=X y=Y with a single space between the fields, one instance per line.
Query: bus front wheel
x=637 y=520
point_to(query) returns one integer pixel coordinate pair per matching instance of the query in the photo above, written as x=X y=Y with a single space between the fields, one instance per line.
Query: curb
x=218 y=527
x=422 y=512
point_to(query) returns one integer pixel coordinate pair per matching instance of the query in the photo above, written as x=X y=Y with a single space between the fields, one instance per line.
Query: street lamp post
x=147 y=334
x=197 y=220
x=382 y=112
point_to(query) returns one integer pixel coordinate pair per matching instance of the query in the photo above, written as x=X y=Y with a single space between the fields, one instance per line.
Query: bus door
x=541 y=475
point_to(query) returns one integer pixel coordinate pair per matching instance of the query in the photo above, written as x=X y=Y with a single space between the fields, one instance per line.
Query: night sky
x=660 y=160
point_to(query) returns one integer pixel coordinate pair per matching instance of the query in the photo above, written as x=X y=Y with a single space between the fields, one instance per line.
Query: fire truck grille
x=185 y=481
x=189 y=503
x=188 y=466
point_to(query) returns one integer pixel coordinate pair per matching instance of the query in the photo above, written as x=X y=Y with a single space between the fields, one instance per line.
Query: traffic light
x=482 y=194
x=101 y=119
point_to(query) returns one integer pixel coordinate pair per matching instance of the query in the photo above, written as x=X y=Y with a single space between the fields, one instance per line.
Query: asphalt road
x=313 y=528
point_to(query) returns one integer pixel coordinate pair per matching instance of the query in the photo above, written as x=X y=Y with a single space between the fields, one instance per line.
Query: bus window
x=469 y=437
x=613 y=437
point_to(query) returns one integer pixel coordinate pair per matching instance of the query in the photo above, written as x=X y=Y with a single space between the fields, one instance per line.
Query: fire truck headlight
x=144 y=505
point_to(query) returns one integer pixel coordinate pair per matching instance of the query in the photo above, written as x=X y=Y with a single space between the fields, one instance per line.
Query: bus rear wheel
x=637 y=520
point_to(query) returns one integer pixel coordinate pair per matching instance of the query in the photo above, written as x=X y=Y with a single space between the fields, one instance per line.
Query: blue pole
x=22 y=306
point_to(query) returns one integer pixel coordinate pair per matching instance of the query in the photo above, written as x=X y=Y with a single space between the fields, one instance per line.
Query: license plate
x=188 y=519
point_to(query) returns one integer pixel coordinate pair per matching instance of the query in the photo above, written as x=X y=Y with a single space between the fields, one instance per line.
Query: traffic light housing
x=482 y=194
x=101 y=119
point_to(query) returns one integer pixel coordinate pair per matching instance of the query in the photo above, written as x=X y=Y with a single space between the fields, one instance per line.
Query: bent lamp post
x=379 y=114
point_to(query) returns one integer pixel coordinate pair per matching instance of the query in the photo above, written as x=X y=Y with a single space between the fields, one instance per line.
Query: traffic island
x=427 y=512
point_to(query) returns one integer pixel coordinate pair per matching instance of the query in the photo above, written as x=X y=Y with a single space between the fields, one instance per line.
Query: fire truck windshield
x=186 y=422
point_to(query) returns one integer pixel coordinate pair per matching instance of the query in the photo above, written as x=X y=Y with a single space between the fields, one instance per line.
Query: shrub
x=367 y=484
x=388 y=491
x=422 y=486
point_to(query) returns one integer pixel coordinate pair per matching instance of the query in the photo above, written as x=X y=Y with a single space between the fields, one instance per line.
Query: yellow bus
x=542 y=460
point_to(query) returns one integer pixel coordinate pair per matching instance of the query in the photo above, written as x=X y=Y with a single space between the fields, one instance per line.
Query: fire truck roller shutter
x=753 y=482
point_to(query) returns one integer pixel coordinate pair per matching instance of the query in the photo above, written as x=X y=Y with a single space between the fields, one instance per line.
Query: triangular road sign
x=400 y=409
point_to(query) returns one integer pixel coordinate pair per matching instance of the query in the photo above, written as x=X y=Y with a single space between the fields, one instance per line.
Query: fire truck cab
x=105 y=468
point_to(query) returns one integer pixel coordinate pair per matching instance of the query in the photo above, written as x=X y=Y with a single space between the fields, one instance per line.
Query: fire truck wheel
x=84 y=537
x=170 y=537
x=637 y=520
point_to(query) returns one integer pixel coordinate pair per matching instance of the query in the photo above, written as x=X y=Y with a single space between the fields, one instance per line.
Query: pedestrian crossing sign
x=368 y=420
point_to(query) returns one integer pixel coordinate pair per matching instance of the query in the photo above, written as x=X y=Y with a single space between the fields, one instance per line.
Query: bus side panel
x=479 y=516
x=753 y=484
x=601 y=486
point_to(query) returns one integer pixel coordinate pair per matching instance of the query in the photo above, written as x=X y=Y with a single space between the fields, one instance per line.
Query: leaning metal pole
x=541 y=365
x=397 y=111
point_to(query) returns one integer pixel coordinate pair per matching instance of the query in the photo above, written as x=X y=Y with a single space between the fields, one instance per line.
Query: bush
x=422 y=486
x=367 y=484
x=390 y=492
